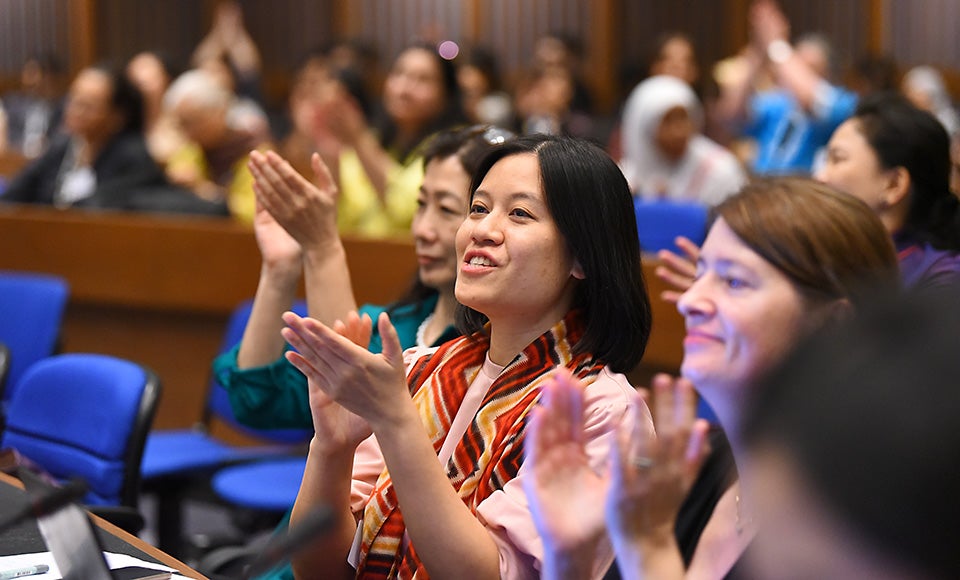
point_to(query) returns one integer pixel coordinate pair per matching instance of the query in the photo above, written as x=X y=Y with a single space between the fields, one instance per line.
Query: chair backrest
x=31 y=314
x=87 y=416
x=218 y=401
x=660 y=221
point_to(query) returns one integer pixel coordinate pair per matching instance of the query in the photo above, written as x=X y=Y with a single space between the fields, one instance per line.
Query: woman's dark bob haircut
x=590 y=202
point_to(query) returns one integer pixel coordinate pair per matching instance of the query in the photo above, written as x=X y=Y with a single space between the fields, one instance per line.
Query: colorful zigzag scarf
x=490 y=452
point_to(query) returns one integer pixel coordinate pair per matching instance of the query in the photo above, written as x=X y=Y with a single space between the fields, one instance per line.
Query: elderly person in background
x=214 y=165
x=152 y=74
x=664 y=154
x=102 y=158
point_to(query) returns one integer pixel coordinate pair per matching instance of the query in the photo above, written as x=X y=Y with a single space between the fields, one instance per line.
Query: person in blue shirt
x=791 y=122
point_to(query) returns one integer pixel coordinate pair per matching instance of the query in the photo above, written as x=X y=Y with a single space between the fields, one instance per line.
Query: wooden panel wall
x=126 y=28
x=614 y=32
x=924 y=32
x=30 y=27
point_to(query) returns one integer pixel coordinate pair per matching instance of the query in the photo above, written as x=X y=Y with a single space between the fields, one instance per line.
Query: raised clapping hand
x=768 y=23
x=563 y=489
x=676 y=270
x=307 y=211
x=651 y=475
x=351 y=389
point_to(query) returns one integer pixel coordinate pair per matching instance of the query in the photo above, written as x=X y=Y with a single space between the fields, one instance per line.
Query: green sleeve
x=275 y=396
x=272 y=396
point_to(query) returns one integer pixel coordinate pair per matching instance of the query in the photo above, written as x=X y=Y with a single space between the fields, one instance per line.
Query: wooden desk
x=26 y=538
x=158 y=289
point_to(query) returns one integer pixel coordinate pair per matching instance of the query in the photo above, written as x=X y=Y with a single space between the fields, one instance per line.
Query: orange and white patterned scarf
x=490 y=452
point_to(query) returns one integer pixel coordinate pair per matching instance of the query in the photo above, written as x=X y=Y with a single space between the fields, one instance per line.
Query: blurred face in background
x=441 y=208
x=413 y=92
x=677 y=59
x=205 y=125
x=673 y=134
x=148 y=74
x=853 y=167
x=90 y=114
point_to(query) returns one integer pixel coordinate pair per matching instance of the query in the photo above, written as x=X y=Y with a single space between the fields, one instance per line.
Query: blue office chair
x=87 y=416
x=175 y=460
x=31 y=315
x=660 y=221
x=270 y=485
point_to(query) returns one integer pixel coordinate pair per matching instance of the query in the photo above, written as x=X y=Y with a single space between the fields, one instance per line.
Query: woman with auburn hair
x=782 y=258
x=551 y=284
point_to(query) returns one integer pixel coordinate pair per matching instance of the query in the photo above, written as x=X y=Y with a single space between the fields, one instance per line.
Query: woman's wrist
x=282 y=273
x=322 y=251
x=570 y=562
x=403 y=418
x=334 y=453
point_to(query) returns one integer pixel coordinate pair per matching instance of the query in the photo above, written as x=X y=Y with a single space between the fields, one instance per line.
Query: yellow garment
x=360 y=211
x=240 y=197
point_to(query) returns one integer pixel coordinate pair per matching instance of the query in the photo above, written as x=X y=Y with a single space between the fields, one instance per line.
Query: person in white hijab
x=664 y=154
x=924 y=86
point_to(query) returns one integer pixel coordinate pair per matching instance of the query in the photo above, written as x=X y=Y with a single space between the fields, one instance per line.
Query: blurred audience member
x=228 y=42
x=924 y=86
x=664 y=153
x=214 y=164
x=565 y=51
x=102 y=157
x=793 y=121
x=152 y=73
x=675 y=56
x=853 y=446
x=319 y=79
x=229 y=53
x=552 y=97
x=33 y=112
x=874 y=73
x=896 y=158
x=376 y=163
x=484 y=100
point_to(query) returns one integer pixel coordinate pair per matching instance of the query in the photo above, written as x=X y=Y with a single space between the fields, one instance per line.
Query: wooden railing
x=159 y=289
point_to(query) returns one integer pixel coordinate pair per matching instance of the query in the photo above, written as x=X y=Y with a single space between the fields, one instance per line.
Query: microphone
x=47 y=503
x=284 y=546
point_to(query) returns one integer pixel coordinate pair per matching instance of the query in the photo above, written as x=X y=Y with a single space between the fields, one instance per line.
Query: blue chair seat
x=269 y=485
x=171 y=453
x=87 y=416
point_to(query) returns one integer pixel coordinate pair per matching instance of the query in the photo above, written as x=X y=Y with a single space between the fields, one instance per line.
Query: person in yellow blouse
x=377 y=164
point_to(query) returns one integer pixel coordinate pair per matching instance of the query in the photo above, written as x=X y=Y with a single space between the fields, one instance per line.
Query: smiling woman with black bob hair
x=548 y=263
x=612 y=295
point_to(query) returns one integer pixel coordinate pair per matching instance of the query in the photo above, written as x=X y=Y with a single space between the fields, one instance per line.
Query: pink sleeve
x=505 y=513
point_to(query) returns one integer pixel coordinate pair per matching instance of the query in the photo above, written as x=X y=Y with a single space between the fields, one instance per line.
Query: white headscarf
x=707 y=172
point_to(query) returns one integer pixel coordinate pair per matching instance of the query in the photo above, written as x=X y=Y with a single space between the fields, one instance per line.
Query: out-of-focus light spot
x=448 y=49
